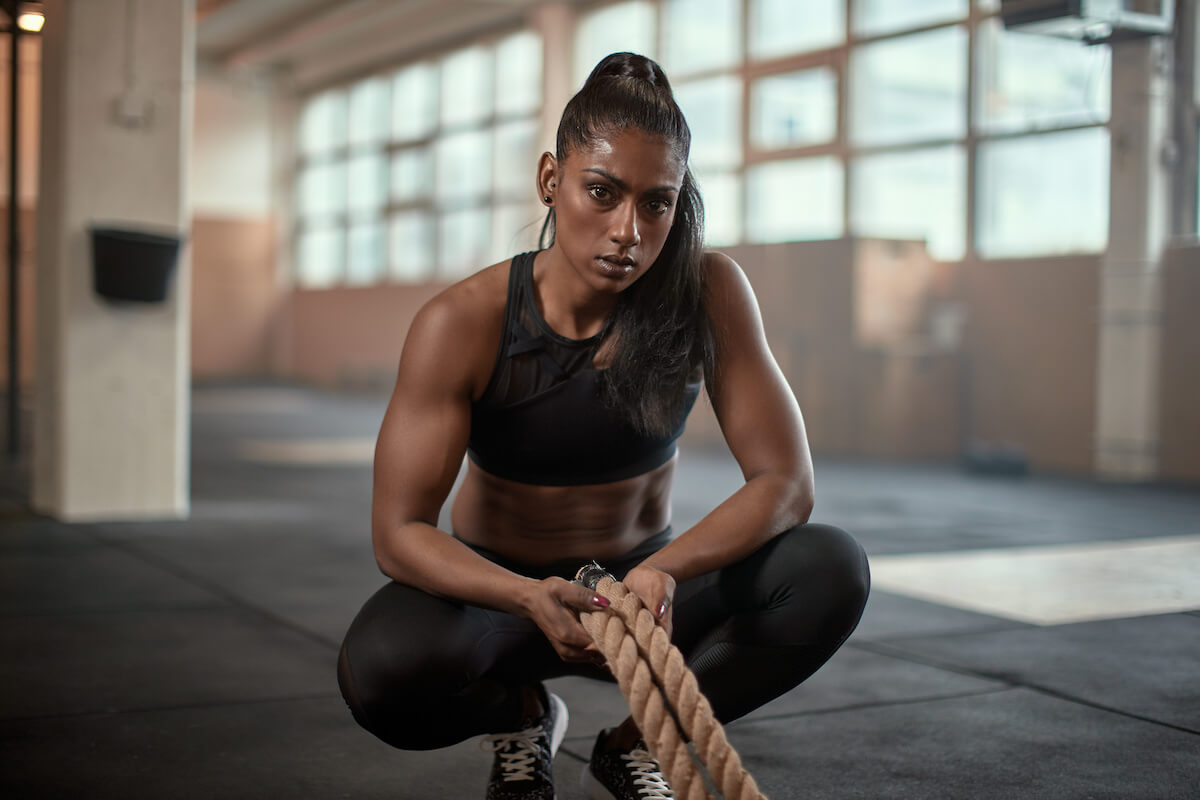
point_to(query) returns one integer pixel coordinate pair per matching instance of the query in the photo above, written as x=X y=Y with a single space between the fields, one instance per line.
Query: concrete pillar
x=111 y=391
x=1130 y=273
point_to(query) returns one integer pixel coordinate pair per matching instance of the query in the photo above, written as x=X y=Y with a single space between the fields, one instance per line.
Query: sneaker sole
x=561 y=717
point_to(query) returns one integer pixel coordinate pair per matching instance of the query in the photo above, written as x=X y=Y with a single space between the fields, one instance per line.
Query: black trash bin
x=133 y=265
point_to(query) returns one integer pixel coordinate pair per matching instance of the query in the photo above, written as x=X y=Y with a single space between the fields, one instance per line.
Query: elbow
x=801 y=496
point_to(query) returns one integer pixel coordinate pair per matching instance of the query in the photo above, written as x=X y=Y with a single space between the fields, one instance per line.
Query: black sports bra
x=542 y=418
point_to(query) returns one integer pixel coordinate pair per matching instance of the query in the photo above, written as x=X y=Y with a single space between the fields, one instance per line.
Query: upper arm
x=424 y=433
x=757 y=411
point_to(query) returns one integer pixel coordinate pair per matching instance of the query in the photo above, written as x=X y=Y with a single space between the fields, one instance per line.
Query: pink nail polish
x=662 y=609
x=600 y=601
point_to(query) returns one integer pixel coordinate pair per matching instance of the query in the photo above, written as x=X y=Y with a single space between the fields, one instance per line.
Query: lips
x=624 y=262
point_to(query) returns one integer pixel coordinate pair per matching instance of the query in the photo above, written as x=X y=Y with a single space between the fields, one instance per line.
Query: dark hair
x=659 y=330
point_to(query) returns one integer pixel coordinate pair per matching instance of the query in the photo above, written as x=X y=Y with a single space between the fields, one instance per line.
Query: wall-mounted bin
x=133 y=265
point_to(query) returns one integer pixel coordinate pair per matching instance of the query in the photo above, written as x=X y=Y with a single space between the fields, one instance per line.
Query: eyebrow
x=620 y=184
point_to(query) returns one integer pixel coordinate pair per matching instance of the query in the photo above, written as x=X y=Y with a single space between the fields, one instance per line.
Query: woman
x=566 y=375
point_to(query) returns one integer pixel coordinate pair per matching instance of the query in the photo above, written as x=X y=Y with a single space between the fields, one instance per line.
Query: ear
x=547 y=178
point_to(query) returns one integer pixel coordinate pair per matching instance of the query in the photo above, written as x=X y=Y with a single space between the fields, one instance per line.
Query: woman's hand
x=656 y=590
x=554 y=605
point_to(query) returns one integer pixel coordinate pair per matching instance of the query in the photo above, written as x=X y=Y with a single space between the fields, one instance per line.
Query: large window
x=422 y=173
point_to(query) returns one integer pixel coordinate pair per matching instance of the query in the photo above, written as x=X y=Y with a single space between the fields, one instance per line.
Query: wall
x=237 y=298
x=1179 y=396
x=1032 y=344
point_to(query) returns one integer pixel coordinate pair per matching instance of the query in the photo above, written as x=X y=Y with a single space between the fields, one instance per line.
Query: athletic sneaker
x=618 y=775
x=523 y=768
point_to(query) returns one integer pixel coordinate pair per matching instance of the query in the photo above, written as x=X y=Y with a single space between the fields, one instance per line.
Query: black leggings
x=422 y=672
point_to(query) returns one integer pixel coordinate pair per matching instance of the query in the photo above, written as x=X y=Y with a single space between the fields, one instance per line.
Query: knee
x=826 y=569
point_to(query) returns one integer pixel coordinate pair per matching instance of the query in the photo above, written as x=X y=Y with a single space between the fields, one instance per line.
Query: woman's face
x=614 y=203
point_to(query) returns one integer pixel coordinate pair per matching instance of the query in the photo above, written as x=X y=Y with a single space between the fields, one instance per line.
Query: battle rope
x=663 y=695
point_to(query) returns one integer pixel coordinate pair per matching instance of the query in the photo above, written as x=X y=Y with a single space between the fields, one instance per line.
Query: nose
x=624 y=230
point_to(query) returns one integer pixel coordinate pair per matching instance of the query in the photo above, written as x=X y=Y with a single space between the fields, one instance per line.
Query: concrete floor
x=196 y=659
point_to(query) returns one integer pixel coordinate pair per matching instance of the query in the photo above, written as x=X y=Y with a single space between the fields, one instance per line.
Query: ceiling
x=320 y=41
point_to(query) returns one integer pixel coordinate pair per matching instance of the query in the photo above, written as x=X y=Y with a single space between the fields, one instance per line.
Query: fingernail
x=600 y=601
x=662 y=609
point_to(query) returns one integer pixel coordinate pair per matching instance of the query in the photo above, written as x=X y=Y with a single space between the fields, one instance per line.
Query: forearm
x=422 y=556
x=763 y=507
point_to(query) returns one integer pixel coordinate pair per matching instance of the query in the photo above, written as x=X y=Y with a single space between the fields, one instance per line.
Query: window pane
x=794 y=110
x=1044 y=194
x=467 y=86
x=411 y=246
x=1028 y=81
x=414 y=102
x=713 y=111
x=613 y=29
x=515 y=159
x=794 y=200
x=519 y=73
x=365 y=262
x=783 y=27
x=464 y=241
x=515 y=229
x=369 y=112
x=702 y=34
x=920 y=194
x=412 y=174
x=910 y=88
x=722 y=193
x=320 y=254
x=321 y=192
x=873 y=17
x=323 y=123
x=368 y=184
x=464 y=166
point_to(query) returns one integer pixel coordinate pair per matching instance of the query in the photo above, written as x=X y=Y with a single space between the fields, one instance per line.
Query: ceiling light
x=30 y=18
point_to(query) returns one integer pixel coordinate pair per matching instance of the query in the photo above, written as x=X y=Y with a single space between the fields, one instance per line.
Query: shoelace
x=518 y=752
x=647 y=775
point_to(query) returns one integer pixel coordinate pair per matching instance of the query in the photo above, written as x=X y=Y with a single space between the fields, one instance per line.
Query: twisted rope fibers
x=663 y=695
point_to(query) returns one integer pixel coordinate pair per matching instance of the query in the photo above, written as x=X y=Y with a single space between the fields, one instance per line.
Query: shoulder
x=458 y=330
x=727 y=291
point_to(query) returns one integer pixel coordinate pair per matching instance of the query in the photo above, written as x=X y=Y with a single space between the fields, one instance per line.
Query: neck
x=569 y=306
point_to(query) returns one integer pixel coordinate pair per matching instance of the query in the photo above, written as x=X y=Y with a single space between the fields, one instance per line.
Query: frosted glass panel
x=414 y=102
x=722 y=193
x=909 y=89
x=515 y=229
x=783 y=27
x=1044 y=194
x=702 y=34
x=323 y=123
x=368 y=184
x=887 y=16
x=365 y=264
x=794 y=200
x=618 y=28
x=519 y=74
x=713 y=111
x=321 y=191
x=917 y=194
x=1028 y=81
x=464 y=241
x=412 y=174
x=467 y=86
x=320 y=256
x=516 y=162
x=369 y=112
x=795 y=109
x=411 y=246
x=464 y=166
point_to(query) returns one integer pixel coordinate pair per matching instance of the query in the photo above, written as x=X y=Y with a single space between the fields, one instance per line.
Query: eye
x=600 y=192
x=659 y=206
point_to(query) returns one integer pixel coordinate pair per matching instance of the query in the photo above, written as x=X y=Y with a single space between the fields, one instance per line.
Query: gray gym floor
x=1026 y=637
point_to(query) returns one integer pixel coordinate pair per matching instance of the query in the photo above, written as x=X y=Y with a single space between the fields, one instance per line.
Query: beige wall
x=1179 y=410
x=1031 y=343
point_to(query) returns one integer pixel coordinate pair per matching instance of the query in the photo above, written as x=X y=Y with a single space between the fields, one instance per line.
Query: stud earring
x=546 y=199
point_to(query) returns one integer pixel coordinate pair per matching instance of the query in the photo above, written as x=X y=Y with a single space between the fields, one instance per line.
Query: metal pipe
x=14 y=240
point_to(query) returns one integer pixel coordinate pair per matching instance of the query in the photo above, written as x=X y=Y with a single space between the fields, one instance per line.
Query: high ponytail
x=660 y=330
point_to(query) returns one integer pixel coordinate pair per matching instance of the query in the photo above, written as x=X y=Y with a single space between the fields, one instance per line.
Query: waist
x=567 y=567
